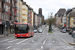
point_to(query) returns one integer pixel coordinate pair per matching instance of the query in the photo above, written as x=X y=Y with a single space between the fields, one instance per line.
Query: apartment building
x=4 y=15
x=24 y=13
x=30 y=10
x=19 y=10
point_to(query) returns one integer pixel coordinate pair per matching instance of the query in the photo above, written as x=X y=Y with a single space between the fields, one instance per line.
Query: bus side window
x=28 y=27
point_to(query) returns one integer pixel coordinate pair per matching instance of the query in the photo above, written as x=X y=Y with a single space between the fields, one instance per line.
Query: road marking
x=44 y=41
x=4 y=40
x=53 y=41
x=33 y=41
x=14 y=40
x=52 y=49
x=47 y=33
x=38 y=49
x=26 y=49
x=62 y=40
x=21 y=41
x=41 y=47
x=8 y=47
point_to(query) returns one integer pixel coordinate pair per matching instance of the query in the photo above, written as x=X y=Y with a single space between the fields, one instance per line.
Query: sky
x=50 y=6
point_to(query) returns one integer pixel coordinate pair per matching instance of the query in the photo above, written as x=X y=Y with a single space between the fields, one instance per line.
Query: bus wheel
x=31 y=36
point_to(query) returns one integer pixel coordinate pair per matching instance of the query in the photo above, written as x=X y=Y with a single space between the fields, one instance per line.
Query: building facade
x=5 y=15
x=24 y=13
x=19 y=10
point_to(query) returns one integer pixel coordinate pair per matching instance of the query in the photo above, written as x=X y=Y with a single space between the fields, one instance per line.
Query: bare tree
x=51 y=21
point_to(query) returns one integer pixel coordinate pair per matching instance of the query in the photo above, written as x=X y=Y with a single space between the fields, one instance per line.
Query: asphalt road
x=40 y=41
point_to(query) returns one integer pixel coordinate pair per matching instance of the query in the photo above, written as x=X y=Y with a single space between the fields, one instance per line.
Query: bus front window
x=21 y=29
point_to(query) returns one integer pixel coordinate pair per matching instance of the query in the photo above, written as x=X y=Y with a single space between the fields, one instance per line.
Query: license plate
x=21 y=36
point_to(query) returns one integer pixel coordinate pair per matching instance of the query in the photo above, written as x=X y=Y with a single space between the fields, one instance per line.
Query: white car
x=63 y=30
x=40 y=30
x=35 y=31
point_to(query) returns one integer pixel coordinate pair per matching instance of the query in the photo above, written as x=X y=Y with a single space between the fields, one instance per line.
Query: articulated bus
x=23 y=30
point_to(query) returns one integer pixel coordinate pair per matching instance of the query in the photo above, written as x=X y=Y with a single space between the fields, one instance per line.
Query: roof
x=72 y=14
x=61 y=11
x=68 y=11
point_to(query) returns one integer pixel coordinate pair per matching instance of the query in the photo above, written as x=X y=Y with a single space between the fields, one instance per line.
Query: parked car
x=35 y=31
x=63 y=30
x=71 y=31
x=40 y=30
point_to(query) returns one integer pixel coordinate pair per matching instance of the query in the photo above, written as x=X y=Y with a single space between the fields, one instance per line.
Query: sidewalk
x=11 y=34
x=65 y=36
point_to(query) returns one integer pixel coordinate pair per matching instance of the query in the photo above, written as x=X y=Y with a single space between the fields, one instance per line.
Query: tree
x=51 y=21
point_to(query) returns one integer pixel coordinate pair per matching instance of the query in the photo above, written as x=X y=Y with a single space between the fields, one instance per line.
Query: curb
x=2 y=36
x=72 y=43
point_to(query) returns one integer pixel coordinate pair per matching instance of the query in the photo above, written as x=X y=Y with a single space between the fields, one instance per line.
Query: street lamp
x=5 y=20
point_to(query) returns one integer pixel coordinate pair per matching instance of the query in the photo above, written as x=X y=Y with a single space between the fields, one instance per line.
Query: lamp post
x=5 y=33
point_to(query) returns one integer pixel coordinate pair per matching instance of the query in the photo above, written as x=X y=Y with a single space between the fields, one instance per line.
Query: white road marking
x=52 y=49
x=62 y=40
x=26 y=49
x=47 y=33
x=14 y=40
x=38 y=49
x=53 y=41
x=33 y=41
x=21 y=41
x=44 y=41
x=41 y=47
x=8 y=47
x=4 y=40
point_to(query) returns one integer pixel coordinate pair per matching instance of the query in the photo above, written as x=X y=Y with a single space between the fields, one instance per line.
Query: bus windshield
x=22 y=28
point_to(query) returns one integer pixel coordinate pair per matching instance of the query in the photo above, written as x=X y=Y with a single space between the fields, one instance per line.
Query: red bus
x=23 y=30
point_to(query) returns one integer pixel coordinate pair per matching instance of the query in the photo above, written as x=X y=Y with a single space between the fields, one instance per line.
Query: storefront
x=2 y=26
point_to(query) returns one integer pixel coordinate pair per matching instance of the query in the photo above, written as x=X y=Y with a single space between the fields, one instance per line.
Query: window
x=73 y=18
x=73 y=22
x=4 y=16
x=4 y=5
x=9 y=1
x=0 y=14
x=0 y=4
x=9 y=9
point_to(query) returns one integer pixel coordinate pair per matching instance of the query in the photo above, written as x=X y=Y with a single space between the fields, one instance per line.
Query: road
x=40 y=41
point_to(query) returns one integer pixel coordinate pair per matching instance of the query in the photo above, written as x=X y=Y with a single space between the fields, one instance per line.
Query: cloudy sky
x=50 y=5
